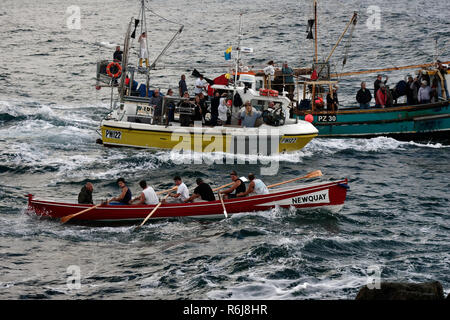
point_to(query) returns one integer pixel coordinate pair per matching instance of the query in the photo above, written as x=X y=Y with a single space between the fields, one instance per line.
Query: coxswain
x=255 y=187
x=85 y=195
x=125 y=196
x=147 y=196
x=237 y=187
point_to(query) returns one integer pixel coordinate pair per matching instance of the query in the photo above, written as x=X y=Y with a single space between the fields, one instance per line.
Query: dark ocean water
x=396 y=217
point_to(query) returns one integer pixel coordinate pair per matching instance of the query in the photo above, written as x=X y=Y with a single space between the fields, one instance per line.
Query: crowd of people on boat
x=180 y=192
x=420 y=89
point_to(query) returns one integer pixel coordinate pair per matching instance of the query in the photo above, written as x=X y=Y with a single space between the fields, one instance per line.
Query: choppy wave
x=395 y=216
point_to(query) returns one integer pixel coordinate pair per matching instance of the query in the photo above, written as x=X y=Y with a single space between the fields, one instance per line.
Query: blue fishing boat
x=418 y=119
x=417 y=122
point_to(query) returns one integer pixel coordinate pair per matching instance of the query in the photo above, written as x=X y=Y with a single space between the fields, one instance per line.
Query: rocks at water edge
x=403 y=291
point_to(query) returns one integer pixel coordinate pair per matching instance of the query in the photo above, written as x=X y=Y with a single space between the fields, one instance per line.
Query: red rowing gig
x=327 y=195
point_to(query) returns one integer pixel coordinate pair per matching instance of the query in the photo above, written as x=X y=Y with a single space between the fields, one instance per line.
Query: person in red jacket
x=381 y=97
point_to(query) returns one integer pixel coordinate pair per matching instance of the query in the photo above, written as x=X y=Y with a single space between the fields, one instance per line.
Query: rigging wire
x=160 y=16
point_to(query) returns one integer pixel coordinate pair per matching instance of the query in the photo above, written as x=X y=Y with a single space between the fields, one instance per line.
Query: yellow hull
x=200 y=142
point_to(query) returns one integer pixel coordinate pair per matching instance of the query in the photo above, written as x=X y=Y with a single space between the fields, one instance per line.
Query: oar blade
x=314 y=174
x=66 y=218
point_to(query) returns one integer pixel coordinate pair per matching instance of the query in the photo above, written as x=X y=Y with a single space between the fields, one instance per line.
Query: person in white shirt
x=223 y=111
x=255 y=187
x=269 y=72
x=200 y=85
x=182 y=192
x=148 y=195
x=143 y=49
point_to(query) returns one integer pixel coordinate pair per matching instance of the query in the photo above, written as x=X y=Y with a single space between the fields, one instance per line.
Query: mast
x=315 y=32
x=238 y=57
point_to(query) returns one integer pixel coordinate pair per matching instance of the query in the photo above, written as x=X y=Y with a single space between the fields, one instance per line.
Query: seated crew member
x=255 y=187
x=147 y=196
x=85 y=195
x=124 y=197
x=182 y=192
x=237 y=187
x=203 y=191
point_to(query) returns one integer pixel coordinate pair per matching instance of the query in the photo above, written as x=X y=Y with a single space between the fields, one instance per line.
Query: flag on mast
x=228 y=53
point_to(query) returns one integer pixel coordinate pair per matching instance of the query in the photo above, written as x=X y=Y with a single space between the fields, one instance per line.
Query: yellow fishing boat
x=144 y=119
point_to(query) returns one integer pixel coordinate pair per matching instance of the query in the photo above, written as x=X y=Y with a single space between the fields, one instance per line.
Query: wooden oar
x=313 y=174
x=224 y=186
x=153 y=211
x=223 y=205
x=164 y=191
x=70 y=216
x=244 y=179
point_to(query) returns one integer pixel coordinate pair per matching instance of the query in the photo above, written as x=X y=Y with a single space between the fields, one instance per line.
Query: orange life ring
x=119 y=70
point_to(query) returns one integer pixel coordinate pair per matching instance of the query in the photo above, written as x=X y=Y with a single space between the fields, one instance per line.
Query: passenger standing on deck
x=237 y=187
x=364 y=96
x=170 y=108
x=269 y=73
x=156 y=102
x=381 y=97
x=332 y=100
x=378 y=83
x=443 y=71
x=410 y=91
x=424 y=95
x=85 y=195
x=182 y=192
x=215 y=102
x=148 y=195
x=117 y=55
x=255 y=187
x=249 y=116
x=223 y=111
x=143 y=49
x=203 y=191
x=198 y=116
x=200 y=85
x=124 y=197
x=182 y=87
x=288 y=76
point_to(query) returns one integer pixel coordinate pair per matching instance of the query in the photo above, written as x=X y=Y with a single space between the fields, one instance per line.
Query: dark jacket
x=363 y=96
x=85 y=196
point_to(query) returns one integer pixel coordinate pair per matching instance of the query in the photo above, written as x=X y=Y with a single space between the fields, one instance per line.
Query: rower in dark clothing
x=85 y=195
x=125 y=197
x=202 y=191
x=237 y=187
